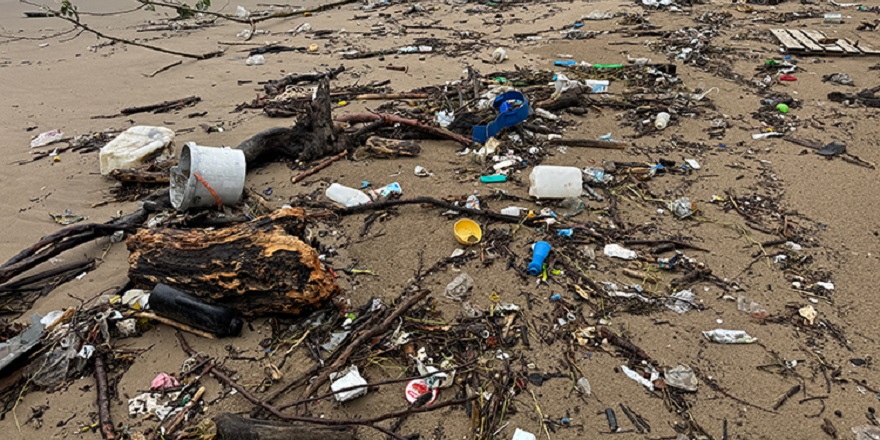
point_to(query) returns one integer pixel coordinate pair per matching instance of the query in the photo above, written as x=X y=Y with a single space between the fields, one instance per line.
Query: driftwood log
x=382 y=148
x=233 y=427
x=258 y=268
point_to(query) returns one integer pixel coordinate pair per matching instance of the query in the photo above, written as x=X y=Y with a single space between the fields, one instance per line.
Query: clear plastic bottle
x=662 y=120
x=346 y=196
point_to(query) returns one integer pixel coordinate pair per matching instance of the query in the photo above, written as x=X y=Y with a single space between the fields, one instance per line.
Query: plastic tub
x=202 y=170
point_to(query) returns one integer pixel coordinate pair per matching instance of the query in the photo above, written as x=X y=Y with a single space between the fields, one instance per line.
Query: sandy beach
x=828 y=206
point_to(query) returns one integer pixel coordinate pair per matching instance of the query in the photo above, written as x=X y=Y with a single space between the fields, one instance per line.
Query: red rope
x=211 y=190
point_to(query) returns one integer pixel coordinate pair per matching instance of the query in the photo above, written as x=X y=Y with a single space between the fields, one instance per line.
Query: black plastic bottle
x=184 y=308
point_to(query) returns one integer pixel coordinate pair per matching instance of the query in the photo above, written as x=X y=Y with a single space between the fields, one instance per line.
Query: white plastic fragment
x=584 y=385
x=648 y=383
x=866 y=432
x=255 y=60
x=682 y=377
x=519 y=434
x=346 y=378
x=459 y=288
x=136 y=146
x=618 y=251
x=680 y=302
x=47 y=138
x=721 y=336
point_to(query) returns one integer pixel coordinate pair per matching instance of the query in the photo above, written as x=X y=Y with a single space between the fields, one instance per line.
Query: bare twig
x=393 y=119
x=324 y=164
x=362 y=339
x=107 y=430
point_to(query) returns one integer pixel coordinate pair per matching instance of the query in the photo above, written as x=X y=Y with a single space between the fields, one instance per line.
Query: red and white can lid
x=416 y=388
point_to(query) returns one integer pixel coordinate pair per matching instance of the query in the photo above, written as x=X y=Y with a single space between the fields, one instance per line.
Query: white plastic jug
x=136 y=146
x=346 y=196
x=553 y=182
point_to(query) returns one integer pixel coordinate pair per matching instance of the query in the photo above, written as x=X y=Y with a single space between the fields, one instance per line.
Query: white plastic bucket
x=222 y=169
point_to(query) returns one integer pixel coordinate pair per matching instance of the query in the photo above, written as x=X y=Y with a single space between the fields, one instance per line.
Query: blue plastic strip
x=507 y=118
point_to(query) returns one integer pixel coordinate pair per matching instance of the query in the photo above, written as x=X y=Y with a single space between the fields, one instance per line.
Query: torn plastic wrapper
x=347 y=378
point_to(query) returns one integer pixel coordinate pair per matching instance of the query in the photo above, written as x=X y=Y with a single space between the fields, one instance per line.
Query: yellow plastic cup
x=467 y=232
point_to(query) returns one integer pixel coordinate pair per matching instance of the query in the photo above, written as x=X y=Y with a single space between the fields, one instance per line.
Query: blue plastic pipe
x=542 y=248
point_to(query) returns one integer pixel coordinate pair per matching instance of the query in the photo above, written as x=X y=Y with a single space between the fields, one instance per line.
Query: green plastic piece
x=495 y=178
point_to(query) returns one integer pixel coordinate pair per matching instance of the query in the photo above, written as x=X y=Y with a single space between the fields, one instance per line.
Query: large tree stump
x=233 y=427
x=258 y=268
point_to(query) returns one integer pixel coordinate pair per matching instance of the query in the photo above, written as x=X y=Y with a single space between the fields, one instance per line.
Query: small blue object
x=555 y=297
x=268 y=191
x=565 y=232
x=566 y=63
x=364 y=184
x=577 y=25
x=539 y=254
x=508 y=116
x=566 y=421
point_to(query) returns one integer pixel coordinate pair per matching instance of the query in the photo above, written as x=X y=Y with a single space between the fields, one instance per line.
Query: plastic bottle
x=662 y=120
x=346 y=196
x=554 y=182
x=539 y=254
x=184 y=308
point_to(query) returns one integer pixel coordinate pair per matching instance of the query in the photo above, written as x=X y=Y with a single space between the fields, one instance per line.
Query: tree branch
x=74 y=19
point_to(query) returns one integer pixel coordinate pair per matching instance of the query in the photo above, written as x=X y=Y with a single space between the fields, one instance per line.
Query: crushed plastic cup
x=499 y=55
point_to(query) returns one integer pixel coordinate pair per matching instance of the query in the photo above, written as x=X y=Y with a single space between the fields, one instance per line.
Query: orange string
x=211 y=190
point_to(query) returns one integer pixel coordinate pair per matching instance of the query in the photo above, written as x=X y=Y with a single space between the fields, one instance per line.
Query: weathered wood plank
x=806 y=41
x=786 y=39
x=865 y=48
x=818 y=37
x=848 y=47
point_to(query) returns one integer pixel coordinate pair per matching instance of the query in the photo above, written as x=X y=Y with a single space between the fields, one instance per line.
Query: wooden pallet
x=817 y=43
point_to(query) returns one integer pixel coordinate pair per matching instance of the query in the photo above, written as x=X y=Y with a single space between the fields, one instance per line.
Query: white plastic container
x=346 y=196
x=136 y=146
x=662 y=120
x=221 y=169
x=553 y=182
